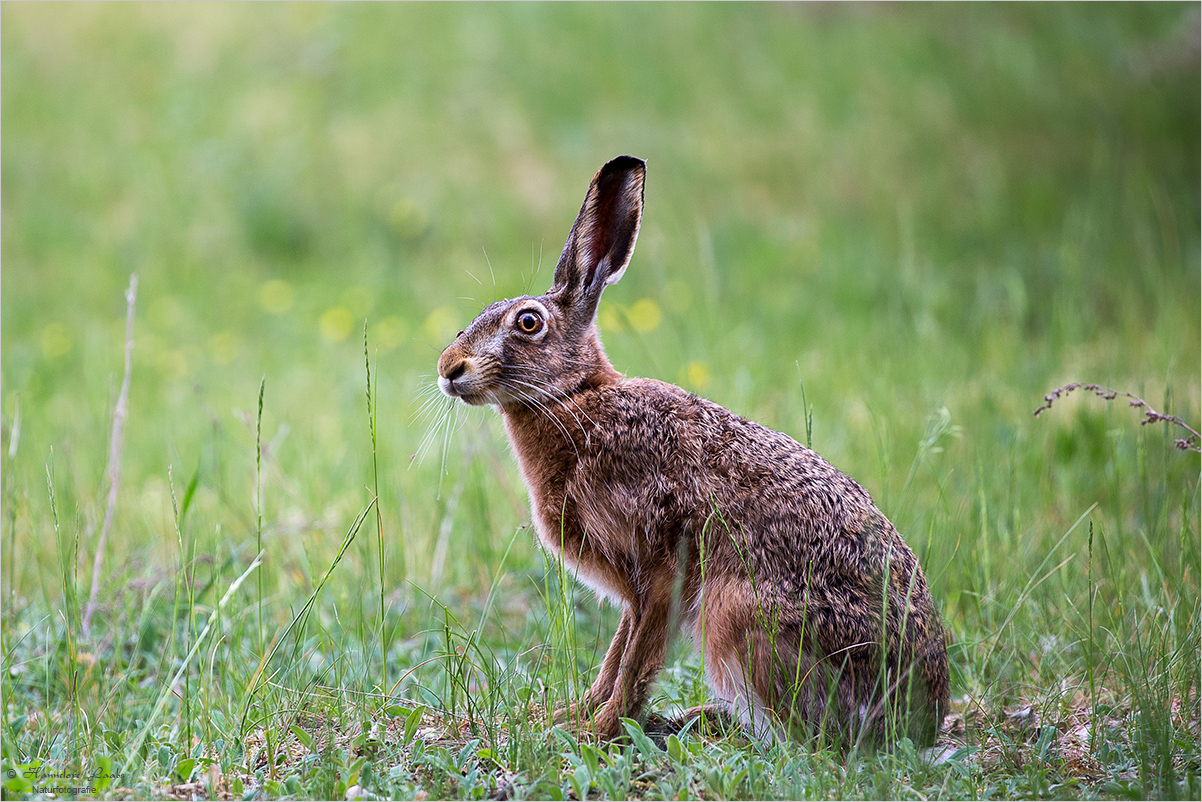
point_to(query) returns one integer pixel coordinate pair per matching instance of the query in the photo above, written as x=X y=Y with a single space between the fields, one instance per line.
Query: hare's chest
x=591 y=541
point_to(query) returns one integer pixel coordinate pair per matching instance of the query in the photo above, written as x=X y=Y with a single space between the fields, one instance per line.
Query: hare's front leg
x=640 y=662
x=603 y=687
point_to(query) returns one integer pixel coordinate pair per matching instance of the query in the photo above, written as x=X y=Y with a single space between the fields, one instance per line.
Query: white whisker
x=489 y=263
x=562 y=401
x=530 y=402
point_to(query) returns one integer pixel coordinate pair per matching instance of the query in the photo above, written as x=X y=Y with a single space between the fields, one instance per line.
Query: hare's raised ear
x=602 y=239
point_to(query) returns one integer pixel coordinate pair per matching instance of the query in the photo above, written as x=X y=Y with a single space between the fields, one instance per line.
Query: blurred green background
x=927 y=215
x=911 y=206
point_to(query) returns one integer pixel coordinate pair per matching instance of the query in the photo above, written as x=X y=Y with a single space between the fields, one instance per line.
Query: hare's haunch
x=810 y=611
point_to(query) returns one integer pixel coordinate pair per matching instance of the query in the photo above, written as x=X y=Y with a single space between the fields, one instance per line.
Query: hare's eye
x=529 y=322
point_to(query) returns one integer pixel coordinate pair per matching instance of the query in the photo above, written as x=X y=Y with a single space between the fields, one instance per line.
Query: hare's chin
x=475 y=400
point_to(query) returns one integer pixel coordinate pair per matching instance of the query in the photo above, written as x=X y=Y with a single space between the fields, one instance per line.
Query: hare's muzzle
x=459 y=376
x=448 y=371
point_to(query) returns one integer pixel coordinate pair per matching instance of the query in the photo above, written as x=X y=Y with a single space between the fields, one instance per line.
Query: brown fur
x=810 y=611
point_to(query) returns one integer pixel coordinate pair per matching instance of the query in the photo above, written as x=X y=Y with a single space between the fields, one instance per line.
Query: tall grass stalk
x=1033 y=583
x=259 y=507
x=132 y=751
x=69 y=568
x=10 y=493
x=1091 y=657
x=375 y=477
x=807 y=409
x=185 y=564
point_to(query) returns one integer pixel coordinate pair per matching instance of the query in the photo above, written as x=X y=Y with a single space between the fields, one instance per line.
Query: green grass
x=927 y=216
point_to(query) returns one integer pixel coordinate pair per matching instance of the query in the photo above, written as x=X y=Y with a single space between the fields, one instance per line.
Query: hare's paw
x=606 y=725
x=576 y=713
x=588 y=724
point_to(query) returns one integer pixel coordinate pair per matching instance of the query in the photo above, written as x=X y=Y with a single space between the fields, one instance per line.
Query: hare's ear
x=602 y=239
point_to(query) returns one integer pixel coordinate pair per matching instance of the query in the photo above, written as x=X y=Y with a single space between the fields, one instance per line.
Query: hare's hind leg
x=757 y=663
x=725 y=634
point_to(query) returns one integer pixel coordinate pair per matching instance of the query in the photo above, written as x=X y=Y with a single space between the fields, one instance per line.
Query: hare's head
x=529 y=349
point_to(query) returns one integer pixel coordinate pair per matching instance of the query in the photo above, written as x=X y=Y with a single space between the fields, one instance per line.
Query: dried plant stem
x=1191 y=442
x=116 y=445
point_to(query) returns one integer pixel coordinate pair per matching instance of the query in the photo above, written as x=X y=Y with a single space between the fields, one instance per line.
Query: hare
x=809 y=610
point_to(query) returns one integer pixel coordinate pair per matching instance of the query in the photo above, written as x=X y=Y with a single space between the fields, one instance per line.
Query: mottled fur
x=809 y=609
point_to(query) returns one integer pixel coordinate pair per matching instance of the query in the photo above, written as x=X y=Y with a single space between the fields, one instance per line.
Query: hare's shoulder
x=664 y=406
x=708 y=424
x=655 y=414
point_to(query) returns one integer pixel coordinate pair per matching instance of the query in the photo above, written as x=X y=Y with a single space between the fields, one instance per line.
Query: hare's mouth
x=455 y=388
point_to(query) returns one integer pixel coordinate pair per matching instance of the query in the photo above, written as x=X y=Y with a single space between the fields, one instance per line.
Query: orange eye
x=529 y=322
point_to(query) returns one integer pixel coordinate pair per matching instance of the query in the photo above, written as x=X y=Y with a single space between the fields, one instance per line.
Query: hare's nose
x=453 y=372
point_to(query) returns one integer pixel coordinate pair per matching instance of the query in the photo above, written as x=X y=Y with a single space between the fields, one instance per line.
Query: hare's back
x=712 y=460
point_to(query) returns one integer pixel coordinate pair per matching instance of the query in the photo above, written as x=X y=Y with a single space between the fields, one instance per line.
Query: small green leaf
x=189 y=493
x=305 y=738
x=411 y=722
x=354 y=769
x=592 y=758
x=645 y=746
x=17 y=779
x=676 y=749
x=102 y=774
x=579 y=789
x=567 y=738
x=115 y=739
x=183 y=769
x=585 y=779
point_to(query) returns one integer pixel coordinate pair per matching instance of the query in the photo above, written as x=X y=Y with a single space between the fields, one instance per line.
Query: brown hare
x=810 y=612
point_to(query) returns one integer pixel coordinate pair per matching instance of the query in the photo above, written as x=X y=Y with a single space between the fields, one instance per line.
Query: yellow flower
x=645 y=316
x=358 y=299
x=389 y=333
x=335 y=323
x=223 y=347
x=172 y=364
x=56 y=341
x=275 y=296
x=697 y=374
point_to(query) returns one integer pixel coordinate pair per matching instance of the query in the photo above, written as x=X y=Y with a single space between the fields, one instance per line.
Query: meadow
x=885 y=230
